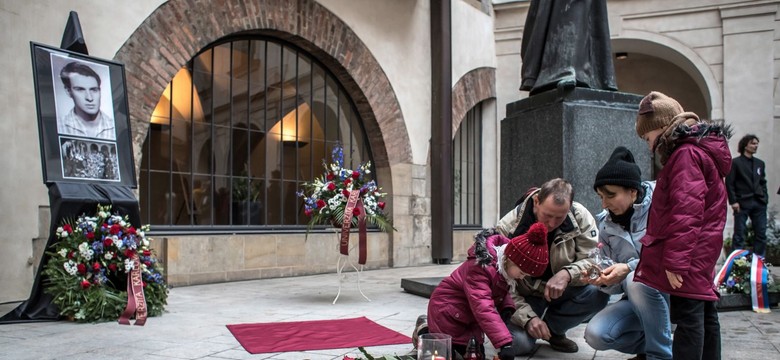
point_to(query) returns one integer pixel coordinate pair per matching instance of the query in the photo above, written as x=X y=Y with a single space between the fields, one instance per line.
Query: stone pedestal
x=568 y=134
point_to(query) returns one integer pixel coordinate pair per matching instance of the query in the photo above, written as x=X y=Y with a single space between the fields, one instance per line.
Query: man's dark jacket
x=746 y=180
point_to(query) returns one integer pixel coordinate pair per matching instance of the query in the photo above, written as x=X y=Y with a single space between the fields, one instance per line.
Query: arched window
x=467 y=170
x=237 y=132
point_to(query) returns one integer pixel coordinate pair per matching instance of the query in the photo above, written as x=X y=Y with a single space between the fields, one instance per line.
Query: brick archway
x=179 y=29
x=475 y=86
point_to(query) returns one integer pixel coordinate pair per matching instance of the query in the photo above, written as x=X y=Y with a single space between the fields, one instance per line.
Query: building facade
x=212 y=86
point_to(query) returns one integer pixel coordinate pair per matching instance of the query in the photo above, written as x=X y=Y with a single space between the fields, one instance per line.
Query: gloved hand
x=506 y=352
x=506 y=314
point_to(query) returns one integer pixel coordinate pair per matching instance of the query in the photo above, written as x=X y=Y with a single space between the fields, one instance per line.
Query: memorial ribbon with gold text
x=136 y=302
x=354 y=202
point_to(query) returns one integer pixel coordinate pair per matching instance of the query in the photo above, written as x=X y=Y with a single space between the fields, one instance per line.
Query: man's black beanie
x=621 y=170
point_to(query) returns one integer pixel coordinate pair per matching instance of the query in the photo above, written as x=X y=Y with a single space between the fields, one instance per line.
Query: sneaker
x=563 y=344
x=420 y=327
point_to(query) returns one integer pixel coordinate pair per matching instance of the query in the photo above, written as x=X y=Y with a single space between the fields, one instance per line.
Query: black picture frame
x=98 y=150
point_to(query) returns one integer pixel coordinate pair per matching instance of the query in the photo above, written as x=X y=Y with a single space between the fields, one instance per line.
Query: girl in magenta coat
x=475 y=297
x=685 y=225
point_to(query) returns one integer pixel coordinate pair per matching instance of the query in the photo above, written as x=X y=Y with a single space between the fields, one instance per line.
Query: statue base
x=567 y=133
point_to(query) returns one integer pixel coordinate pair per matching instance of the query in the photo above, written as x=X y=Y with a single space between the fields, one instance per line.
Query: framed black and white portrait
x=83 y=118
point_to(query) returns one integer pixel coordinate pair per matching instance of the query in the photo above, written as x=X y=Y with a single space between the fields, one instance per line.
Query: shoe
x=563 y=344
x=639 y=357
x=420 y=328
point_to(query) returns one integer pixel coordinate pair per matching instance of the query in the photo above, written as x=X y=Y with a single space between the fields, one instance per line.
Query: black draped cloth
x=566 y=43
x=69 y=201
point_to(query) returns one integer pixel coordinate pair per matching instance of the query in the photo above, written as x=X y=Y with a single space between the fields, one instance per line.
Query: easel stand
x=341 y=263
x=68 y=201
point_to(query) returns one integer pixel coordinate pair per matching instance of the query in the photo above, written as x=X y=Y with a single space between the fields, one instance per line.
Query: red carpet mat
x=314 y=335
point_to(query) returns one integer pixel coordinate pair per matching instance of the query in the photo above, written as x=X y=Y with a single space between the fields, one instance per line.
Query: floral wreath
x=738 y=280
x=325 y=199
x=87 y=269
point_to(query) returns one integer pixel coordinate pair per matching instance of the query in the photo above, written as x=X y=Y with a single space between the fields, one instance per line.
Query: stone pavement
x=194 y=326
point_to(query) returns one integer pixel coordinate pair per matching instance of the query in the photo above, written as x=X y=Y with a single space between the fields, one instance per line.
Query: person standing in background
x=748 y=196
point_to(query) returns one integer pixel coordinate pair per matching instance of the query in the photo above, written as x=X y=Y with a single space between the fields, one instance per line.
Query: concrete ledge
x=421 y=286
x=732 y=302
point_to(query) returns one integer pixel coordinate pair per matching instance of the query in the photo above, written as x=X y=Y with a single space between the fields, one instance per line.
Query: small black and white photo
x=82 y=94
x=89 y=159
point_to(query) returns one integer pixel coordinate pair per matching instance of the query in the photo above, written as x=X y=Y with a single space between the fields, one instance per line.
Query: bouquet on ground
x=87 y=269
x=325 y=199
x=738 y=280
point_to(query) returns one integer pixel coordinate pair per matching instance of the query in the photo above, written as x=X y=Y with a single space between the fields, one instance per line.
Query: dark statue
x=565 y=44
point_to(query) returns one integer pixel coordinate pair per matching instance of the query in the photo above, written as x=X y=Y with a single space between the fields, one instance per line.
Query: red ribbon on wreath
x=136 y=302
x=354 y=202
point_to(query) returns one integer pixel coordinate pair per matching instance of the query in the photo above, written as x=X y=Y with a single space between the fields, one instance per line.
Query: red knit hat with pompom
x=529 y=251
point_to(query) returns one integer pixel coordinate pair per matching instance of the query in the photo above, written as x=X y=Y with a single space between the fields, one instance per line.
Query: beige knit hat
x=656 y=110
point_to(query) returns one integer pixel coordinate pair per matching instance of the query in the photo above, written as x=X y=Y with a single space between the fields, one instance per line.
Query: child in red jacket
x=475 y=298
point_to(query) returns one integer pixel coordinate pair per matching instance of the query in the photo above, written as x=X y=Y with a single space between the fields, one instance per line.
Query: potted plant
x=246 y=205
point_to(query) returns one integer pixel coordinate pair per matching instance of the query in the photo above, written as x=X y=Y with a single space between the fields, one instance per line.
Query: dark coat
x=567 y=40
x=747 y=180
x=686 y=221
x=467 y=303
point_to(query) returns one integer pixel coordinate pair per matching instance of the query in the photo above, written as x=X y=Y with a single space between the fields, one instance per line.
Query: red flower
x=381 y=205
x=115 y=229
x=148 y=263
x=147 y=253
x=70 y=255
x=355 y=174
x=347 y=181
x=356 y=211
x=67 y=228
x=85 y=284
x=90 y=235
x=331 y=186
x=129 y=253
x=144 y=283
x=112 y=267
x=131 y=231
x=329 y=176
x=307 y=212
x=81 y=268
x=96 y=267
x=320 y=204
x=345 y=192
x=107 y=242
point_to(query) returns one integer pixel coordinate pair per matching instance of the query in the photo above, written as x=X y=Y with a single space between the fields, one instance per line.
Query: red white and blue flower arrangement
x=87 y=269
x=325 y=199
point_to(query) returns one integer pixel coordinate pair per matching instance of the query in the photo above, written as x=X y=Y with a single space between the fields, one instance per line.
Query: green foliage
x=244 y=189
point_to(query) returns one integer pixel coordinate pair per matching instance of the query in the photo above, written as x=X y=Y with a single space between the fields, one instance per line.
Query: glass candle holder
x=434 y=346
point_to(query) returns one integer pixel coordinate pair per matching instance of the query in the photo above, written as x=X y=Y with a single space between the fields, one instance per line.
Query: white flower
x=145 y=242
x=86 y=251
x=108 y=255
x=64 y=234
x=63 y=252
x=128 y=265
x=70 y=267
x=59 y=229
x=117 y=241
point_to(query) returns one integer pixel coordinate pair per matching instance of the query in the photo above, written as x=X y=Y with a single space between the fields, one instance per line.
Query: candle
x=436 y=356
